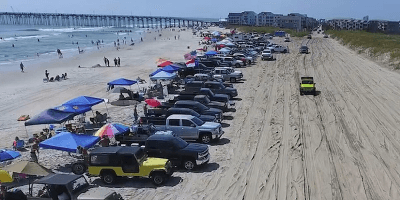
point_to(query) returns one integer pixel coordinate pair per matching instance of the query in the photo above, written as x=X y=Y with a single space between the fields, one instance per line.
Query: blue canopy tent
x=214 y=40
x=51 y=116
x=170 y=69
x=84 y=101
x=66 y=141
x=211 y=53
x=73 y=109
x=122 y=81
x=155 y=72
x=163 y=76
x=224 y=50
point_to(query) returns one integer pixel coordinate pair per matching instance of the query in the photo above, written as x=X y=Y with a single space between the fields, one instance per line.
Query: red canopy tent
x=166 y=63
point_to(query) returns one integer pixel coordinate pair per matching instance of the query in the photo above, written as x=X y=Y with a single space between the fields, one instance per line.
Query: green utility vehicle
x=307 y=86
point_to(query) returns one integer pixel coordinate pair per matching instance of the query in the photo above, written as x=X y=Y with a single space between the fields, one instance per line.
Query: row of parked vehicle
x=175 y=134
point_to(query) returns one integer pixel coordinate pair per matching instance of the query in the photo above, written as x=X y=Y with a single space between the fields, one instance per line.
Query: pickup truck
x=177 y=150
x=211 y=95
x=189 y=127
x=232 y=62
x=203 y=99
x=200 y=108
x=227 y=73
x=195 y=86
x=280 y=48
x=218 y=87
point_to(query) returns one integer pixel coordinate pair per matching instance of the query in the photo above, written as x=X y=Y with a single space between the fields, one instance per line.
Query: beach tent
x=8 y=154
x=155 y=72
x=122 y=81
x=163 y=75
x=50 y=116
x=5 y=177
x=84 y=101
x=73 y=109
x=170 y=69
x=28 y=168
x=209 y=53
x=66 y=141
x=214 y=39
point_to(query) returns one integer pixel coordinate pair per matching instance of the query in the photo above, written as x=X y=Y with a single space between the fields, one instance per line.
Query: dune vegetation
x=269 y=29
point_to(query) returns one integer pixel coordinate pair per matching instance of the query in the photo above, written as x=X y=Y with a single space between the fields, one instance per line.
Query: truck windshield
x=78 y=185
x=197 y=121
x=180 y=143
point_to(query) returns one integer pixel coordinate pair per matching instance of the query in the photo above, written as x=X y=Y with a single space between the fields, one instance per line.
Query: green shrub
x=378 y=43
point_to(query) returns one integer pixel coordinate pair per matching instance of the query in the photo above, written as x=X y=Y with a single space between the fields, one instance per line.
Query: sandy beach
x=341 y=144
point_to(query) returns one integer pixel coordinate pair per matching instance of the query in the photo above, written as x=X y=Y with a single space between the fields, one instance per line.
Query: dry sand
x=340 y=144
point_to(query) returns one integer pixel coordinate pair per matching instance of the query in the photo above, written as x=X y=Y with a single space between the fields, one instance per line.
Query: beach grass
x=269 y=29
x=377 y=43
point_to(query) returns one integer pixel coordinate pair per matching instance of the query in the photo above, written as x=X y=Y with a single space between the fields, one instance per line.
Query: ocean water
x=34 y=43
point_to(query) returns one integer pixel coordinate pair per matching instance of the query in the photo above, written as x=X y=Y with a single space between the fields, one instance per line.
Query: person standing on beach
x=105 y=61
x=46 y=74
x=115 y=62
x=119 y=62
x=141 y=39
x=108 y=62
x=145 y=110
x=22 y=67
x=135 y=114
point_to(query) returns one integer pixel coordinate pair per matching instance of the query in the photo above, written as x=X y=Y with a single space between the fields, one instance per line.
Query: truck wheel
x=108 y=177
x=237 y=65
x=249 y=62
x=232 y=80
x=78 y=168
x=205 y=138
x=158 y=178
x=285 y=51
x=189 y=164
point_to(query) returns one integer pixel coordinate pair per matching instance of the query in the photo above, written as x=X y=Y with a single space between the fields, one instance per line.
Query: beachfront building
x=244 y=18
x=348 y=24
x=292 y=21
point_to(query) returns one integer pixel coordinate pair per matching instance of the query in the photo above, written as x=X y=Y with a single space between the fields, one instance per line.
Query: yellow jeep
x=307 y=85
x=112 y=162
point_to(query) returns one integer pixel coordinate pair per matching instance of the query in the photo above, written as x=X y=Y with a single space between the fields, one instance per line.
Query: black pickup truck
x=178 y=151
x=189 y=95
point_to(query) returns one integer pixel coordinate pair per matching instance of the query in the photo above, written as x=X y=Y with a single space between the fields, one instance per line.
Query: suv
x=112 y=162
x=282 y=49
x=232 y=62
x=303 y=49
x=177 y=150
x=307 y=85
x=267 y=55
x=248 y=59
x=287 y=39
x=309 y=37
x=226 y=73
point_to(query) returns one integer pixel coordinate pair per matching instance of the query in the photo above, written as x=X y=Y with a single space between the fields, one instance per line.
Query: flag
x=191 y=63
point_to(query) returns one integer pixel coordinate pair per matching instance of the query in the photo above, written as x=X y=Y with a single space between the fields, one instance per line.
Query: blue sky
x=326 y=9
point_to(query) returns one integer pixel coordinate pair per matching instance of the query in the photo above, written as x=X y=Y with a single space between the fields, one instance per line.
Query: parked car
x=76 y=187
x=248 y=59
x=232 y=62
x=211 y=104
x=189 y=127
x=281 y=49
x=200 y=108
x=326 y=36
x=112 y=162
x=267 y=55
x=309 y=37
x=177 y=150
x=303 y=49
x=287 y=39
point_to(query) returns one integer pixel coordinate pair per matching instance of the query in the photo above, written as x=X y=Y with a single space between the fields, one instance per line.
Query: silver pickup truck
x=189 y=127
x=227 y=74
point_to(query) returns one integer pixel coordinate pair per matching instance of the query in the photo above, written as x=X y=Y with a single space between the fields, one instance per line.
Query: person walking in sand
x=119 y=62
x=22 y=67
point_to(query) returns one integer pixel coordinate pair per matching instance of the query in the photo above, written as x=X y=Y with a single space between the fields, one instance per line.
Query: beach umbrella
x=8 y=154
x=153 y=102
x=5 y=177
x=28 y=168
x=165 y=63
x=112 y=129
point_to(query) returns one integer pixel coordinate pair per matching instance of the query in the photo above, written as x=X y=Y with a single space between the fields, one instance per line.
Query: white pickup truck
x=189 y=127
x=281 y=49
x=227 y=74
